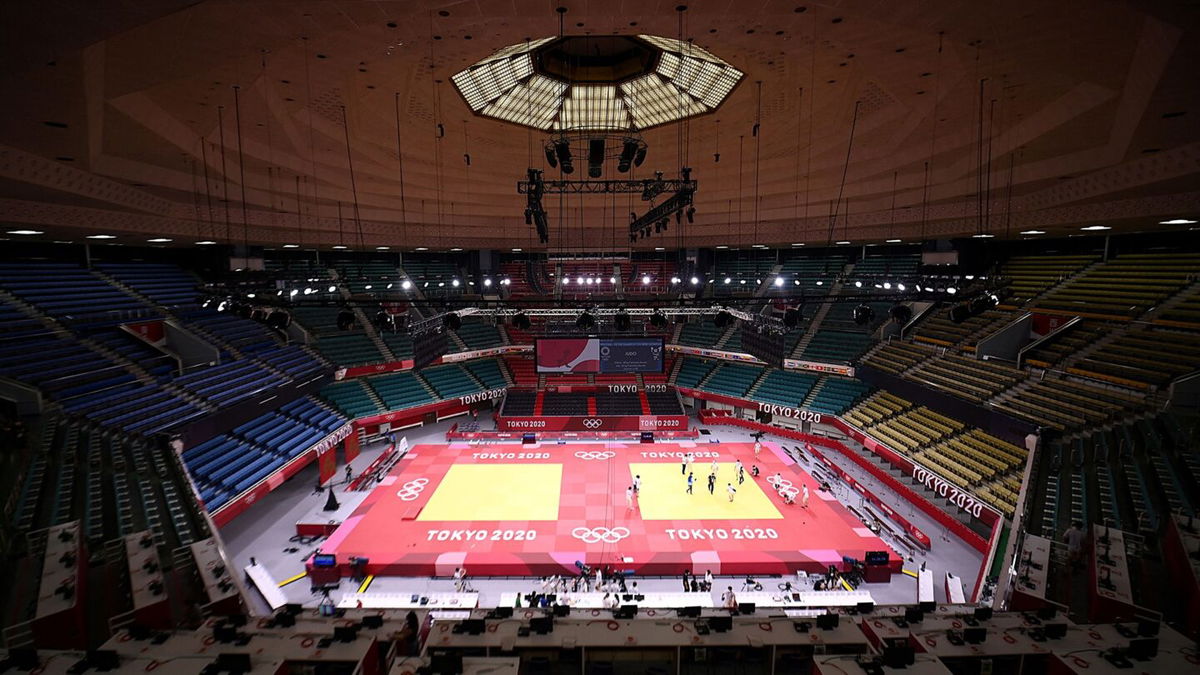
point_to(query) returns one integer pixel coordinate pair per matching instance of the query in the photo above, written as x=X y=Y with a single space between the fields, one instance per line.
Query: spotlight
x=778 y=281
x=820 y=283
x=563 y=150
x=487 y=282
x=521 y=321
x=628 y=150
x=585 y=321
x=224 y=303
x=566 y=281
x=675 y=280
x=691 y=214
x=579 y=281
x=858 y=284
x=640 y=156
x=550 y=158
x=454 y=283
x=951 y=290
x=723 y=319
x=367 y=287
x=695 y=281
x=901 y=313
x=887 y=285
x=452 y=321
x=645 y=279
x=406 y=284
x=658 y=320
x=612 y=280
x=900 y=287
x=621 y=321
x=345 y=319
x=727 y=280
x=595 y=157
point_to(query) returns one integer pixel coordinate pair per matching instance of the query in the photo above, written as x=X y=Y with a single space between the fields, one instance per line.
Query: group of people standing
x=695 y=584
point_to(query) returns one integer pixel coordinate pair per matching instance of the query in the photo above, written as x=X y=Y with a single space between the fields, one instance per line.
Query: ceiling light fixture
x=26 y=232
x=841 y=243
x=1095 y=228
x=206 y=242
x=101 y=236
x=420 y=248
x=291 y=245
x=892 y=241
x=159 y=240
x=1033 y=232
x=1173 y=221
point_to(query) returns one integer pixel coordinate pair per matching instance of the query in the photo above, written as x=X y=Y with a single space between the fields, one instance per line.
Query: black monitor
x=372 y=621
x=502 y=612
x=1054 y=631
x=224 y=633
x=345 y=633
x=746 y=608
x=899 y=655
x=876 y=557
x=1046 y=613
x=103 y=659
x=928 y=606
x=983 y=613
x=1147 y=627
x=1143 y=649
x=285 y=620
x=974 y=635
x=562 y=610
x=541 y=625
x=236 y=620
x=293 y=608
x=691 y=612
x=866 y=607
x=324 y=560
x=473 y=626
x=233 y=663
x=913 y=615
x=23 y=658
x=720 y=624
x=445 y=662
x=828 y=621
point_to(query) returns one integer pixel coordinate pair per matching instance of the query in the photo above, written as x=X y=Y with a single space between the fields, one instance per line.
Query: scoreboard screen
x=599 y=355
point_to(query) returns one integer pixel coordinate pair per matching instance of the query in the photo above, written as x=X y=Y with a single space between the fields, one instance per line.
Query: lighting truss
x=647 y=187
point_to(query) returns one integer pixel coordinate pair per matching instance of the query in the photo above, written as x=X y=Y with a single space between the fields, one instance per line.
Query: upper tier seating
x=875 y=408
x=523 y=370
x=744 y=272
x=229 y=464
x=351 y=397
x=226 y=384
x=938 y=329
x=965 y=377
x=400 y=390
x=350 y=349
x=896 y=356
x=785 y=387
x=1142 y=359
x=519 y=402
x=891 y=268
x=434 y=277
x=449 y=380
x=358 y=275
x=244 y=335
x=836 y=346
x=835 y=395
x=704 y=334
x=399 y=344
x=487 y=371
x=693 y=370
x=1065 y=343
x=816 y=276
x=664 y=403
x=479 y=335
x=165 y=284
x=659 y=272
x=1031 y=275
x=67 y=292
x=1123 y=288
x=1185 y=314
x=733 y=379
x=1068 y=404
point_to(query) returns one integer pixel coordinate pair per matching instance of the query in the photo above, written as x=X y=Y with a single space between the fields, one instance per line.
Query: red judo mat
x=535 y=510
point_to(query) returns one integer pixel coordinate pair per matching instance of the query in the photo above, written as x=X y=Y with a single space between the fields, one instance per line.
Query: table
x=262 y=580
x=1110 y=604
x=405 y=601
x=925 y=586
x=846 y=664
x=1033 y=571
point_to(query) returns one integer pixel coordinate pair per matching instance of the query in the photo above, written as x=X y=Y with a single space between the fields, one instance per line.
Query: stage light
x=901 y=287
x=658 y=320
x=1174 y=221
x=590 y=281
x=367 y=287
x=390 y=286
x=951 y=290
x=550 y=158
x=612 y=280
x=887 y=285
x=292 y=294
x=858 y=284
x=452 y=321
x=645 y=280
x=621 y=321
x=674 y=280
x=425 y=285
x=691 y=214
x=628 y=150
x=406 y=284
x=579 y=281
x=521 y=321
x=441 y=284
x=778 y=281
x=566 y=281
x=585 y=321
x=695 y=281
x=563 y=150
x=820 y=283
x=742 y=282
x=595 y=157
x=487 y=283
x=454 y=283
x=879 y=286
x=796 y=281
x=640 y=156
x=970 y=277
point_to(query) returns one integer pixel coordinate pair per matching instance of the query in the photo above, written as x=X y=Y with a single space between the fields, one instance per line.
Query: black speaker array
x=428 y=346
x=766 y=345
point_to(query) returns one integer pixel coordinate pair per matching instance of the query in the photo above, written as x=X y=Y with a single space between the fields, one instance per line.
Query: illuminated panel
x=593 y=107
x=669 y=45
x=533 y=104
x=653 y=101
x=489 y=81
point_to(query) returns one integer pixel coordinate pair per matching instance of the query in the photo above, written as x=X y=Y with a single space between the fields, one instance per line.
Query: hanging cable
x=892 y=219
x=224 y=174
x=207 y=191
x=353 y=184
x=237 y=115
x=400 y=162
x=299 y=222
x=312 y=145
x=937 y=80
x=757 y=153
x=845 y=170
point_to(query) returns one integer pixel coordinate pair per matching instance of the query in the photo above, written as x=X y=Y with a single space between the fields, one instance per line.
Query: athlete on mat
x=731 y=490
x=629 y=497
x=637 y=485
x=690 y=481
x=804 y=497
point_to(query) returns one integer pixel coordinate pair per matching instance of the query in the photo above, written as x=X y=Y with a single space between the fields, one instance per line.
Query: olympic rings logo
x=593 y=423
x=411 y=490
x=596 y=535
x=595 y=454
x=786 y=488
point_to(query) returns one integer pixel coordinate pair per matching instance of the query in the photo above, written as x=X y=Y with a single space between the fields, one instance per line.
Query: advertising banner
x=154 y=332
x=597 y=423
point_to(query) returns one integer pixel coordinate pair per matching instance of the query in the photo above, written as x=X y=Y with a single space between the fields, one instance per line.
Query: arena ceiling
x=1030 y=116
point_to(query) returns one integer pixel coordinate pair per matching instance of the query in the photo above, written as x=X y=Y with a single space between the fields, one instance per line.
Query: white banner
x=836 y=369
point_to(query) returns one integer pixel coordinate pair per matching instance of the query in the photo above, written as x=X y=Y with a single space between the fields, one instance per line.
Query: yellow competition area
x=664 y=496
x=496 y=492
